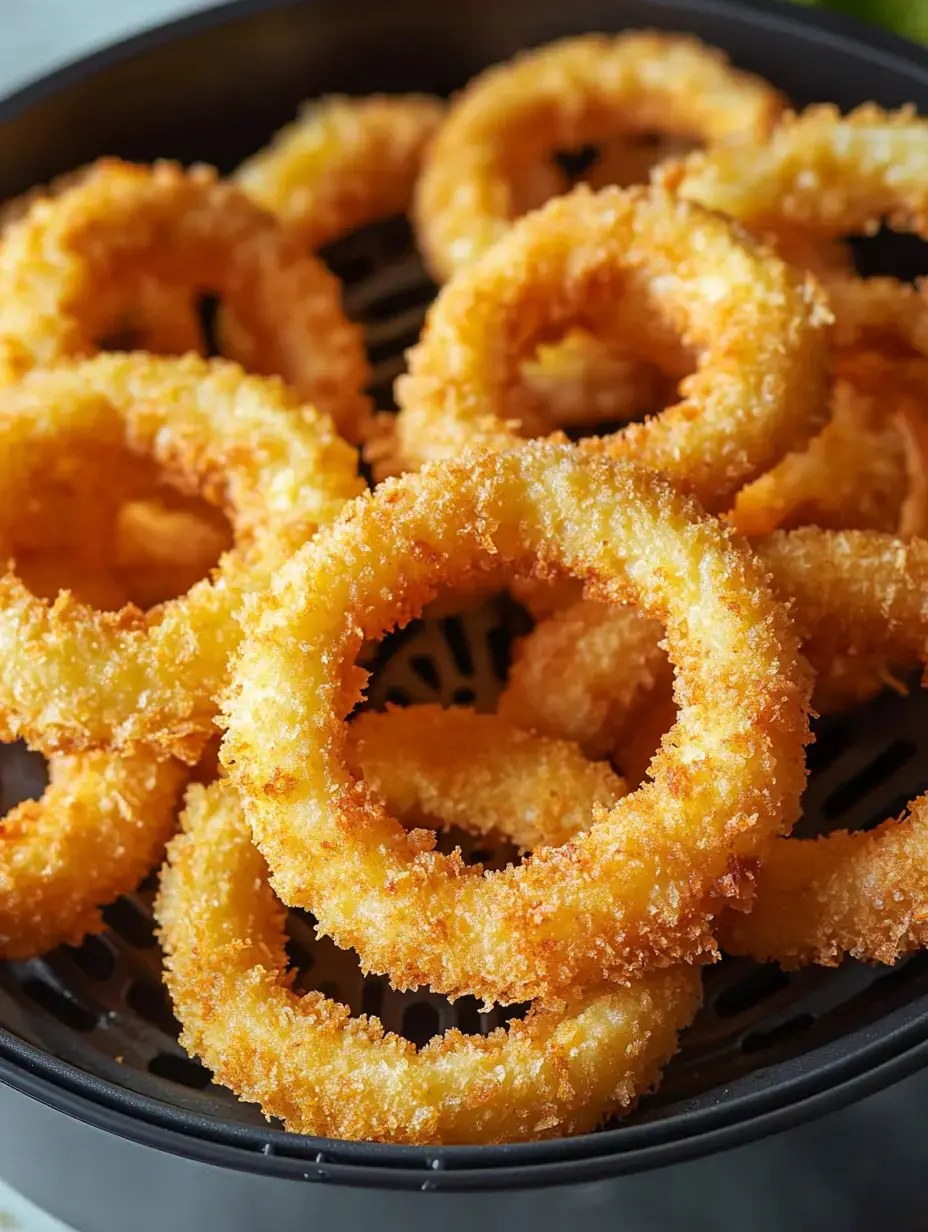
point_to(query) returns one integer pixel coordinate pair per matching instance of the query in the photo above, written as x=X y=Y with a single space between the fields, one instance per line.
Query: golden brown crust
x=71 y=271
x=820 y=900
x=758 y=326
x=852 y=476
x=828 y=174
x=583 y=672
x=568 y=94
x=860 y=601
x=732 y=773
x=479 y=772
x=99 y=828
x=342 y=163
x=561 y=1071
x=75 y=679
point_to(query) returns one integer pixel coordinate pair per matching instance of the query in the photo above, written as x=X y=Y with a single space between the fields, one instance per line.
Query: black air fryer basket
x=103 y=1118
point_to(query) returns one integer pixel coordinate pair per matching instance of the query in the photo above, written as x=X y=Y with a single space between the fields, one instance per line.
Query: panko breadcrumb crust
x=343 y=163
x=305 y=1059
x=72 y=269
x=479 y=772
x=73 y=678
x=100 y=826
x=759 y=330
x=568 y=94
x=638 y=888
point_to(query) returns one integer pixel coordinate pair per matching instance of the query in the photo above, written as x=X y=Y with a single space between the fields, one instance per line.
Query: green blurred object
x=906 y=17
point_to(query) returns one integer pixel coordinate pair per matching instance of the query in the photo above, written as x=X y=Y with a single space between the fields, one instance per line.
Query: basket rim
x=847 y=1069
x=882 y=1053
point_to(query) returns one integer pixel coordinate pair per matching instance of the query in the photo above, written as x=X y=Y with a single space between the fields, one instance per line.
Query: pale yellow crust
x=642 y=879
x=342 y=163
x=479 y=772
x=76 y=679
x=71 y=270
x=568 y=94
x=99 y=828
x=306 y=1060
x=758 y=327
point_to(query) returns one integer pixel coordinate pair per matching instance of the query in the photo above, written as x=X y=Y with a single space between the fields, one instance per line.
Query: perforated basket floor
x=102 y=1008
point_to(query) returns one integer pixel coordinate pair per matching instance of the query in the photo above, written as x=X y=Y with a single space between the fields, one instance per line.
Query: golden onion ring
x=75 y=679
x=758 y=327
x=100 y=826
x=856 y=599
x=342 y=163
x=643 y=877
x=863 y=894
x=563 y=680
x=479 y=772
x=851 y=476
x=829 y=175
x=305 y=1059
x=563 y=96
x=71 y=271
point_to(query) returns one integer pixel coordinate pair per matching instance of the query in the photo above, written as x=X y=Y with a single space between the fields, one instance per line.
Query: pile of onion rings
x=197 y=578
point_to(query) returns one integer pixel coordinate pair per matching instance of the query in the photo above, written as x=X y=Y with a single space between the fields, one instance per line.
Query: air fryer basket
x=89 y=1030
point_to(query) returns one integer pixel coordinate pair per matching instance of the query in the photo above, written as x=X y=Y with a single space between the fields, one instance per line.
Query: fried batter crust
x=306 y=1060
x=637 y=888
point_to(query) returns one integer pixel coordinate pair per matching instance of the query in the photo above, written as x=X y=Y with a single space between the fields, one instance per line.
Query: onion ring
x=563 y=96
x=852 y=476
x=559 y=680
x=760 y=383
x=163 y=319
x=829 y=175
x=70 y=270
x=863 y=894
x=99 y=828
x=631 y=880
x=342 y=163
x=563 y=680
x=479 y=772
x=636 y=160
x=304 y=1059
x=816 y=900
x=74 y=679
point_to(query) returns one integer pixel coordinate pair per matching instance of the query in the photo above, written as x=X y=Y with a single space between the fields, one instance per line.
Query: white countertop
x=38 y=35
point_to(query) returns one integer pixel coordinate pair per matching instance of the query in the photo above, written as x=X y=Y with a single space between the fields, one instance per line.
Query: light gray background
x=859 y=1171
